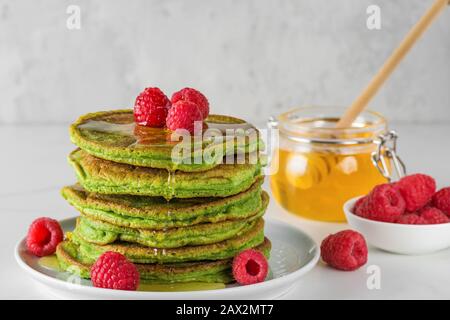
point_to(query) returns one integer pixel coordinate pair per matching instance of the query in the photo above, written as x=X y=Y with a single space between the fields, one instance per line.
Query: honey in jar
x=321 y=167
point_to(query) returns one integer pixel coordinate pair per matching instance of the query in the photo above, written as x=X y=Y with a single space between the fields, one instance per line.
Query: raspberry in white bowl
x=405 y=217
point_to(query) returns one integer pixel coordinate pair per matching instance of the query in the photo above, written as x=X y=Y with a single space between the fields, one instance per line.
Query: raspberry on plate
x=43 y=236
x=411 y=218
x=250 y=266
x=151 y=108
x=384 y=203
x=113 y=271
x=417 y=190
x=345 y=250
x=195 y=96
x=434 y=216
x=441 y=200
x=183 y=115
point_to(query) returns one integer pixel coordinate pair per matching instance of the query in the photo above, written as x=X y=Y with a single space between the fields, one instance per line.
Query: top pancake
x=113 y=135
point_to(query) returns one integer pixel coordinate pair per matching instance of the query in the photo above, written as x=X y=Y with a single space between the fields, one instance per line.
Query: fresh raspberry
x=434 y=216
x=151 y=108
x=43 y=236
x=183 y=115
x=195 y=96
x=113 y=271
x=360 y=208
x=384 y=203
x=417 y=190
x=345 y=250
x=250 y=266
x=441 y=200
x=411 y=218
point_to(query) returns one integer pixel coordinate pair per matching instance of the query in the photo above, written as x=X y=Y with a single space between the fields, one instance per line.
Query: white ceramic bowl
x=400 y=238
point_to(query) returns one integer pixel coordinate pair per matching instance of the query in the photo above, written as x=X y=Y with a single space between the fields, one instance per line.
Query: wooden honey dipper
x=391 y=63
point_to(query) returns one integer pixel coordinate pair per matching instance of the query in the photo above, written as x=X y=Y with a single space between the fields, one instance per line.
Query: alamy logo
x=73 y=21
x=212 y=145
x=373 y=21
x=220 y=144
x=374 y=279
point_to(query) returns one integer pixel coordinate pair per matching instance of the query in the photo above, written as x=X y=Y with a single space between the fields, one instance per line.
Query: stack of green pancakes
x=178 y=221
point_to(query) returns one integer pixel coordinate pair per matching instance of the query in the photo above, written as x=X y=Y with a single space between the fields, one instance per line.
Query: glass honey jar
x=320 y=167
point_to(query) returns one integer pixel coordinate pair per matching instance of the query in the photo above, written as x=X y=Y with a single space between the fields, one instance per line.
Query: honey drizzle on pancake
x=147 y=136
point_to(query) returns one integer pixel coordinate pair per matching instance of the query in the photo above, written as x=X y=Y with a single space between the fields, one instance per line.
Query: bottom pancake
x=71 y=260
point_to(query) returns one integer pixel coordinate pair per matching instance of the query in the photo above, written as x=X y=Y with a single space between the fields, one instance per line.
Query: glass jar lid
x=316 y=124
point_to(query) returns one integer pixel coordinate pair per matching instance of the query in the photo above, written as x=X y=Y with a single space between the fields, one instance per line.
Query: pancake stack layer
x=177 y=221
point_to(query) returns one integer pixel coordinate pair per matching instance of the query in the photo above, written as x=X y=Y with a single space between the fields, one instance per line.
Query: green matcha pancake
x=113 y=135
x=201 y=271
x=143 y=212
x=103 y=176
x=144 y=254
x=102 y=233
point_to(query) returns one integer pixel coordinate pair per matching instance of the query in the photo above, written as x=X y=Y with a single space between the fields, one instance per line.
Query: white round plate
x=293 y=254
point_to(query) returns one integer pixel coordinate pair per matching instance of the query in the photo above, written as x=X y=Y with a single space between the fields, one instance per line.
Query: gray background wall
x=251 y=58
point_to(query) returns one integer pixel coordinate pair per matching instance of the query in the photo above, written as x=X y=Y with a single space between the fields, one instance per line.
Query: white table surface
x=34 y=168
